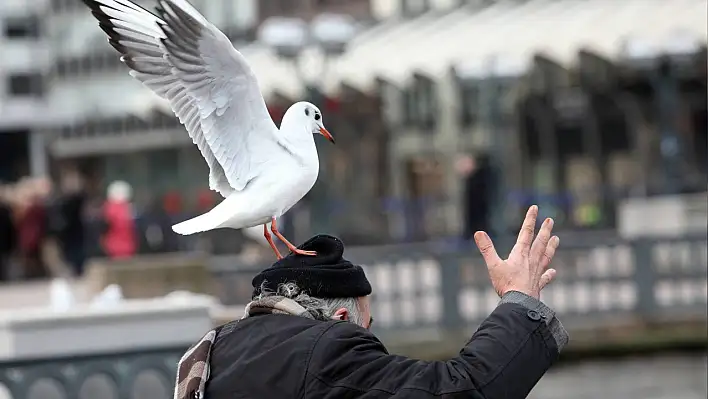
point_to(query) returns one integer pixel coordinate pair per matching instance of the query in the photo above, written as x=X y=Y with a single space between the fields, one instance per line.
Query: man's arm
x=504 y=359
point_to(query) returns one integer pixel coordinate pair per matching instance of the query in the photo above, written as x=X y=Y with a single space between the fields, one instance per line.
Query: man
x=7 y=233
x=66 y=220
x=305 y=334
x=478 y=187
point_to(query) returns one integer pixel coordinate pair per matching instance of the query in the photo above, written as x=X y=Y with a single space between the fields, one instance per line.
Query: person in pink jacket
x=119 y=240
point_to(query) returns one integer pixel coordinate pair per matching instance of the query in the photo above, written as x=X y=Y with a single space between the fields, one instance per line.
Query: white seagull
x=260 y=170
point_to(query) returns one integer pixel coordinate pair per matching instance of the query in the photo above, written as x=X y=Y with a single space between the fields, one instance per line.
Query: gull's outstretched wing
x=212 y=90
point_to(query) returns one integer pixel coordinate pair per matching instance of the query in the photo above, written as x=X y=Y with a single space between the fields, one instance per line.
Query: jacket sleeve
x=504 y=359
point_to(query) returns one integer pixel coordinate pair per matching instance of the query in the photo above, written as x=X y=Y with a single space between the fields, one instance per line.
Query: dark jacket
x=478 y=191
x=282 y=356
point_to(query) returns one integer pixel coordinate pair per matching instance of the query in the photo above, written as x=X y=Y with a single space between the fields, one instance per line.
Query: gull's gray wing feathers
x=185 y=59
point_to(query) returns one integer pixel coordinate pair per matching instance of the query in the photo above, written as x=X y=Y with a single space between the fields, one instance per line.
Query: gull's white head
x=307 y=114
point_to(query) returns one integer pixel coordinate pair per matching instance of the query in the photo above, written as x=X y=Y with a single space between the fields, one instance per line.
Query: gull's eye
x=307 y=111
x=317 y=117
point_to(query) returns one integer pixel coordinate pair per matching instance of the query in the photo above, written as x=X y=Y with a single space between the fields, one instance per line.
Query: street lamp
x=328 y=35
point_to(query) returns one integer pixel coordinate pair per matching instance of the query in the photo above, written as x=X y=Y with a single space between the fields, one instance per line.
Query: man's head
x=355 y=310
x=327 y=283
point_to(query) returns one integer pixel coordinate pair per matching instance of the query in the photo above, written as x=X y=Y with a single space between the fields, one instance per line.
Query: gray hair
x=325 y=306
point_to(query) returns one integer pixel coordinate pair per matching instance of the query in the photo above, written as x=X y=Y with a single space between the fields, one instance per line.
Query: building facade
x=24 y=63
x=573 y=117
x=576 y=117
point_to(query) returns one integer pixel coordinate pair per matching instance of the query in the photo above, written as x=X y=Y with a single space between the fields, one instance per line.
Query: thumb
x=486 y=247
x=547 y=277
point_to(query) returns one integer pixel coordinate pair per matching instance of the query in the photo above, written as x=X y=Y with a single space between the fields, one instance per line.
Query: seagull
x=260 y=170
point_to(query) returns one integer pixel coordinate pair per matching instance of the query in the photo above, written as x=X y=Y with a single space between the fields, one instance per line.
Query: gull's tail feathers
x=222 y=215
x=197 y=224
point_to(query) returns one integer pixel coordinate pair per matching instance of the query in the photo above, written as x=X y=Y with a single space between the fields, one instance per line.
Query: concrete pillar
x=448 y=134
x=391 y=101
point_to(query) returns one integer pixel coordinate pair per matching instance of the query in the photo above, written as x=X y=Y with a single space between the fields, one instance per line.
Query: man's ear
x=341 y=314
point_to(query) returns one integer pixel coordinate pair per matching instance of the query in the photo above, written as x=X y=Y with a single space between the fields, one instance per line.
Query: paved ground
x=661 y=377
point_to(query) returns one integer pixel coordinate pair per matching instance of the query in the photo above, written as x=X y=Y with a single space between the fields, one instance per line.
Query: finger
x=547 y=277
x=553 y=244
x=538 y=248
x=523 y=242
x=486 y=247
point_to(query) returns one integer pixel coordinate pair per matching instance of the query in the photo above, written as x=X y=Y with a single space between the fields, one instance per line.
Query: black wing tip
x=96 y=6
x=108 y=27
x=116 y=45
x=92 y=4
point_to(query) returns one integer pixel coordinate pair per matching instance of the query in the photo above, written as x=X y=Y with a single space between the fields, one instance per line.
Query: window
x=426 y=103
x=27 y=27
x=64 y=5
x=469 y=100
x=612 y=124
x=420 y=103
x=534 y=113
x=26 y=85
x=570 y=107
x=408 y=106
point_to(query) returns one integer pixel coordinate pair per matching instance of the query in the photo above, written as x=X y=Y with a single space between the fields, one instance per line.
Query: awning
x=431 y=44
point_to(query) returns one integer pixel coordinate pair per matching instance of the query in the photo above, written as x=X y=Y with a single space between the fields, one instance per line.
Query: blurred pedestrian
x=119 y=240
x=7 y=232
x=158 y=236
x=95 y=227
x=477 y=180
x=306 y=334
x=67 y=220
x=31 y=224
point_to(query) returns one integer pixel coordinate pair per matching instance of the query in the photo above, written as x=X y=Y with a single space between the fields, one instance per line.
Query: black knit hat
x=326 y=275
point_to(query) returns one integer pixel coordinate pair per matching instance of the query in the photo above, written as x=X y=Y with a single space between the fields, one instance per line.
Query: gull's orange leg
x=269 y=238
x=291 y=247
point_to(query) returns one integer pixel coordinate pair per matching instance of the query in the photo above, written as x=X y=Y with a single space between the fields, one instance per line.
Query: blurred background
x=450 y=116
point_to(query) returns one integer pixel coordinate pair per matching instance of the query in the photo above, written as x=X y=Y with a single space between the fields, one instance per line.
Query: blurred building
x=308 y=9
x=577 y=102
x=24 y=63
x=580 y=103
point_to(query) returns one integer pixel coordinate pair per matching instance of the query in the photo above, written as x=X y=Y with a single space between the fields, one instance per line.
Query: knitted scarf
x=193 y=367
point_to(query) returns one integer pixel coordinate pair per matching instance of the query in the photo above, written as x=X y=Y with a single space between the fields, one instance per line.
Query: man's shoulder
x=269 y=325
x=346 y=342
x=247 y=347
x=337 y=329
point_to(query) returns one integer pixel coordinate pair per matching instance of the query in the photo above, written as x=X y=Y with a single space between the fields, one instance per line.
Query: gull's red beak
x=326 y=134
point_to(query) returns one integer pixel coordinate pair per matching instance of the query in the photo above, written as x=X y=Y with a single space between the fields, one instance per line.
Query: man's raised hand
x=526 y=269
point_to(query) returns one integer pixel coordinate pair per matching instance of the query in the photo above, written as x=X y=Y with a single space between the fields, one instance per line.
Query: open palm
x=526 y=268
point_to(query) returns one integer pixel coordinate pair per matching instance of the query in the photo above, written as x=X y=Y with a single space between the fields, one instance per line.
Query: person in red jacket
x=119 y=239
x=31 y=215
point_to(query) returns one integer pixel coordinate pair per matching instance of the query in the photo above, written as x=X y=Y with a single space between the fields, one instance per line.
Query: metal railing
x=421 y=293
x=136 y=375
x=440 y=287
